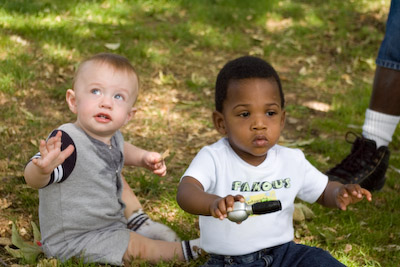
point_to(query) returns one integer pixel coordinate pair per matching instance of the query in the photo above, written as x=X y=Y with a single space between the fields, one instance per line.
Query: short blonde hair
x=118 y=62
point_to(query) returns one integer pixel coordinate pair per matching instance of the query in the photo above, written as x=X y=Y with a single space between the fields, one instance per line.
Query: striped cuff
x=137 y=219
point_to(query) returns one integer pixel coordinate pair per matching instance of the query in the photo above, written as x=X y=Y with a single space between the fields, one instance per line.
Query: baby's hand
x=351 y=194
x=221 y=206
x=51 y=155
x=155 y=162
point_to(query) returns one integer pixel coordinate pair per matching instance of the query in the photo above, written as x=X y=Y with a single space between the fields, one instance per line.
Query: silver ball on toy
x=241 y=210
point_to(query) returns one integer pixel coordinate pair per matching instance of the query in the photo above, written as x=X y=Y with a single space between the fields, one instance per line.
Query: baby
x=248 y=165
x=84 y=201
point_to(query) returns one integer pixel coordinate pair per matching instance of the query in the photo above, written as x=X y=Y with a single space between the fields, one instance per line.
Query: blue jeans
x=286 y=255
x=389 y=52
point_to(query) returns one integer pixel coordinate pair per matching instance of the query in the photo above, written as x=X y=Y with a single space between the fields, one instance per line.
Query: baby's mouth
x=260 y=140
x=101 y=117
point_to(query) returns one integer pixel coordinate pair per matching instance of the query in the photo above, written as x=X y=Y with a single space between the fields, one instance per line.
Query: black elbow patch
x=62 y=172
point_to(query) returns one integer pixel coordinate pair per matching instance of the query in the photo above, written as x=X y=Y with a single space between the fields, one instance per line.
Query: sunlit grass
x=324 y=52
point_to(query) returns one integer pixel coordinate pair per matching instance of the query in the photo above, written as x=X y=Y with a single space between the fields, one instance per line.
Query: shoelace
x=361 y=153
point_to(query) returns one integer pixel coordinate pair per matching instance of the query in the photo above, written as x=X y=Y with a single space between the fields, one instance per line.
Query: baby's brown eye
x=244 y=114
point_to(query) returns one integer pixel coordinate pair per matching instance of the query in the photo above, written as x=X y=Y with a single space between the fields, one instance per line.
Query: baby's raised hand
x=51 y=155
x=351 y=193
x=221 y=206
x=155 y=162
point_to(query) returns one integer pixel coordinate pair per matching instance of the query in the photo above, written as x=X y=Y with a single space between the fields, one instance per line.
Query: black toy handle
x=266 y=207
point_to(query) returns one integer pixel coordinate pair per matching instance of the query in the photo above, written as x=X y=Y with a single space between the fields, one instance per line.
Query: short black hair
x=243 y=68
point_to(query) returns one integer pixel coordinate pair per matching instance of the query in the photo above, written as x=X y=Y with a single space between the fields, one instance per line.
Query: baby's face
x=253 y=117
x=104 y=99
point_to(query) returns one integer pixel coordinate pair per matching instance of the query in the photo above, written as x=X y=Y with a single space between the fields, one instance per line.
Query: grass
x=323 y=50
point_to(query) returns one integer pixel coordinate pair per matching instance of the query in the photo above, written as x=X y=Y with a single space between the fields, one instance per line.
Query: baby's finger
x=42 y=148
x=239 y=198
x=40 y=162
x=214 y=209
x=343 y=192
x=155 y=158
x=54 y=142
x=222 y=207
x=229 y=201
x=155 y=161
x=66 y=153
x=161 y=171
x=367 y=194
x=219 y=215
x=35 y=161
x=342 y=205
x=355 y=190
x=342 y=198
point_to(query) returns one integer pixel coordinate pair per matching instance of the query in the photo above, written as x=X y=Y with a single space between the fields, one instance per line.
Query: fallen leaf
x=292 y=120
x=393 y=247
x=26 y=250
x=112 y=46
x=319 y=106
x=379 y=249
x=4 y=241
x=48 y=263
x=34 y=142
x=3 y=164
x=347 y=79
x=19 y=40
x=4 y=203
x=348 y=248
x=298 y=215
x=343 y=237
x=165 y=154
x=28 y=114
x=302 y=212
x=390 y=247
x=299 y=143
x=36 y=234
x=303 y=71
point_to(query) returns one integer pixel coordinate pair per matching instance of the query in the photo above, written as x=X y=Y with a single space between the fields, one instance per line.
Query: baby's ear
x=71 y=100
x=131 y=114
x=219 y=122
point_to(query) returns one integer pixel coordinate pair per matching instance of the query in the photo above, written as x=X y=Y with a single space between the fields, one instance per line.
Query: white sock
x=379 y=127
x=191 y=249
x=140 y=223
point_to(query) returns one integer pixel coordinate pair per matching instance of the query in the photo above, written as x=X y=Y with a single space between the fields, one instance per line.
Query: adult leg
x=386 y=87
x=369 y=157
x=386 y=91
x=383 y=115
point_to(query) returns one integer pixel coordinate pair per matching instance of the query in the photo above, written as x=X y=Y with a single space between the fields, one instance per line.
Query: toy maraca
x=242 y=210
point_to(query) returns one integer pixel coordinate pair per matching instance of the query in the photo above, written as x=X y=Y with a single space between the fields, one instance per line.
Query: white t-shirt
x=284 y=175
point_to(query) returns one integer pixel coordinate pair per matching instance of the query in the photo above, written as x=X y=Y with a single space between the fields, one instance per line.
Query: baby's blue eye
x=119 y=97
x=95 y=91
